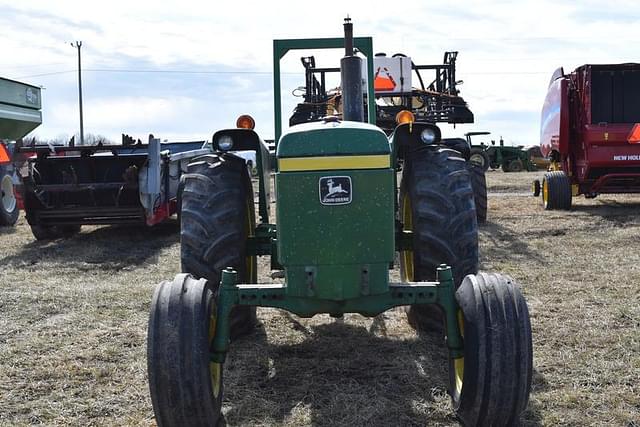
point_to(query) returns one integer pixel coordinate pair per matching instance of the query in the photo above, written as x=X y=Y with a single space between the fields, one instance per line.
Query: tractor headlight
x=428 y=136
x=225 y=142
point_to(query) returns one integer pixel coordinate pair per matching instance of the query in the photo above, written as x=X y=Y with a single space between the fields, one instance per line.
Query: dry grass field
x=73 y=317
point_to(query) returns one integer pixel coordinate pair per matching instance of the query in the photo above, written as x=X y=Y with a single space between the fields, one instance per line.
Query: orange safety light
x=405 y=116
x=245 y=121
x=634 y=136
x=4 y=155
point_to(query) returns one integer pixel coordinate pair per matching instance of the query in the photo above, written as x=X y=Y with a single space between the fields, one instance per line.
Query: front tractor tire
x=217 y=216
x=490 y=385
x=437 y=205
x=556 y=191
x=185 y=386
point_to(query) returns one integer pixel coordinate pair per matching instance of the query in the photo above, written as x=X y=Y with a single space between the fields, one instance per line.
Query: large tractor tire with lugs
x=556 y=191
x=437 y=206
x=490 y=385
x=50 y=232
x=513 y=166
x=217 y=216
x=479 y=157
x=8 y=202
x=479 y=185
x=185 y=386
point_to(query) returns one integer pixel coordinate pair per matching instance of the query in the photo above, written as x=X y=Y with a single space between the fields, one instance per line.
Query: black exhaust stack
x=351 y=75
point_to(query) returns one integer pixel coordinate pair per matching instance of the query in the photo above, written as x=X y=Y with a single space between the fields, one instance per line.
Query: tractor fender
x=459 y=144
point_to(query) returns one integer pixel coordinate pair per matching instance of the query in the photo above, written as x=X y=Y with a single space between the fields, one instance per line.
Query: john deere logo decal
x=335 y=190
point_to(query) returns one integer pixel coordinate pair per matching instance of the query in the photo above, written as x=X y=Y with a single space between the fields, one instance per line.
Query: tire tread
x=498 y=351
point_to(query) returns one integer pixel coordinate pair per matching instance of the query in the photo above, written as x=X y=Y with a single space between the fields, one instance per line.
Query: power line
x=116 y=70
x=46 y=74
x=20 y=67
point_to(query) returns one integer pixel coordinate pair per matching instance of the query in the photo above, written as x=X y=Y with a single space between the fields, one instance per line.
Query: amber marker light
x=4 y=155
x=245 y=121
x=405 y=116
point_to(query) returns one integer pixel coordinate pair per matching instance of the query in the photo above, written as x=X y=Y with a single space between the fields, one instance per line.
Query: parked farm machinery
x=341 y=217
x=590 y=129
x=133 y=183
x=20 y=105
x=509 y=158
x=438 y=101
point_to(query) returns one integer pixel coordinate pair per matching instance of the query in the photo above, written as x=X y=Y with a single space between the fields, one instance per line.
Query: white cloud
x=508 y=51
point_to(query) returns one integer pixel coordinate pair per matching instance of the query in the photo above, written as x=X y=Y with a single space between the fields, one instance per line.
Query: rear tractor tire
x=479 y=185
x=50 y=232
x=69 y=230
x=185 y=386
x=8 y=203
x=437 y=205
x=179 y=201
x=556 y=191
x=490 y=385
x=44 y=232
x=217 y=216
x=513 y=166
x=478 y=157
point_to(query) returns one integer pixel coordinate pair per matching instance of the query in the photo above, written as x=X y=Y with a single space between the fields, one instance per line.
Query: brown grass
x=74 y=314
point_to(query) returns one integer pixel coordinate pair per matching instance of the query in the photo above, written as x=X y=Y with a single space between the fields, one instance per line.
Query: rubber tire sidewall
x=445 y=227
x=498 y=351
x=178 y=354
x=7 y=218
x=443 y=177
x=217 y=199
x=50 y=232
x=485 y=158
x=516 y=166
x=559 y=191
x=479 y=185
x=536 y=188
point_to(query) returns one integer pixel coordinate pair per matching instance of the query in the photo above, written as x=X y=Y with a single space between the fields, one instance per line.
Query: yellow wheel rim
x=407 y=274
x=215 y=369
x=545 y=192
x=407 y=271
x=458 y=364
x=249 y=229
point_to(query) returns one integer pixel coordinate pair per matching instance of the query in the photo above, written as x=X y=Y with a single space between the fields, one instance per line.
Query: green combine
x=341 y=218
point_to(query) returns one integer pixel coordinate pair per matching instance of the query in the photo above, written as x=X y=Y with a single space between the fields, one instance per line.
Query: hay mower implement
x=341 y=218
x=133 y=183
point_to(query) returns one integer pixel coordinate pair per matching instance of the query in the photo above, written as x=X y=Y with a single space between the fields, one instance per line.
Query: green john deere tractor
x=341 y=218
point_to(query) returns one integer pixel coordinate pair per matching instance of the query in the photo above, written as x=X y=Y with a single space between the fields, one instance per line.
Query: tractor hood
x=335 y=216
x=331 y=138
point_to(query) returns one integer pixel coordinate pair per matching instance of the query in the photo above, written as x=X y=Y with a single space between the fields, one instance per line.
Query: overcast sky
x=181 y=70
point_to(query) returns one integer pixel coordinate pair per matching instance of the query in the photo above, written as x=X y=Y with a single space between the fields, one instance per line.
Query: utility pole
x=78 y=44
